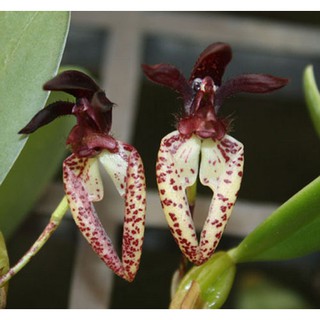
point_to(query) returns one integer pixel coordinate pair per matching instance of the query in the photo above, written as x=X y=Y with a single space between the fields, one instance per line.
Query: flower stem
x=54 y=222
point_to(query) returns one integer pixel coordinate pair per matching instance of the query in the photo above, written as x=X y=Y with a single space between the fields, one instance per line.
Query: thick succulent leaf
x=27 y=60
x=312 y=97
x=73 y=82
x=126 y=170
x=212 y=62
x=169 y=76
x=221 y=169
x=290 y=232
x=80 y=190
x=177 y=169
x=209 y=284
x=4 y=267
x=36 y=165
x=32 y=170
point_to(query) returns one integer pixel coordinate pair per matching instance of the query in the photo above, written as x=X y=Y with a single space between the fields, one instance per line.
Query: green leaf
x=36 y=165
x=312 y=97
x=206 y=286
x=290 y=232
x=31 y=45
x=4 y=267
x=256 y=290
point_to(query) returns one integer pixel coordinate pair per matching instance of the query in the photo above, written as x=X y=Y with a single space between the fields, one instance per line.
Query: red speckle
x=223 y=153
x=167 y=202
x=222 y=198
x=215 y=221
x=218 y=235
x=223 y=208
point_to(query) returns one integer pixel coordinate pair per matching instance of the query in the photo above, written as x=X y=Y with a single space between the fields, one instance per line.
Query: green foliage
x=31 y=49
x=312 y=97
x=291 y=231
x=36 y=165
x=255 y=290
x=27 y=61
x=4 y=267
x=206 y=286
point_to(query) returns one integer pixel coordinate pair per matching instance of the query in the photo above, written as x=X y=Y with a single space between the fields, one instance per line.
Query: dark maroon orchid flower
x=201 y=130
x=94 y=147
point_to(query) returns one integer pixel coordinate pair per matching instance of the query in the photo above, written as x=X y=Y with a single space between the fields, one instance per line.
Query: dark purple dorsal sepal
x=73 y=82
x=212 y=62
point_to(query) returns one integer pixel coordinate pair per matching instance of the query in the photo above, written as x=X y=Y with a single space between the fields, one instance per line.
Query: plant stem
x=54 y=222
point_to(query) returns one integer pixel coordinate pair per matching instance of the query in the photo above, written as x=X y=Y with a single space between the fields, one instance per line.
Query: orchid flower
x=201 y=146
x=93 y=149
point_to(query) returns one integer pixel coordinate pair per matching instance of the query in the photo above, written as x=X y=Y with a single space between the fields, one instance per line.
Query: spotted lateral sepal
x=177 y=169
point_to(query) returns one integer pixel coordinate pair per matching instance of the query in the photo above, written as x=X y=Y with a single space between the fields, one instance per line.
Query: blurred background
x=282 y=155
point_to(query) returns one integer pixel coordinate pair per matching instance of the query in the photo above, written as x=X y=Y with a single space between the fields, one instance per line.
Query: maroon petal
x=212 y=62
x=252 y=83
x=48 y=114
x=170 y=76
x=73 y=82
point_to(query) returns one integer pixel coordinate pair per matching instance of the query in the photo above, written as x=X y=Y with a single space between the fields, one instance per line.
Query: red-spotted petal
x=221 y=169
x=126 y=170
x=83 y=185
x=79 y=184
x=177 y=169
